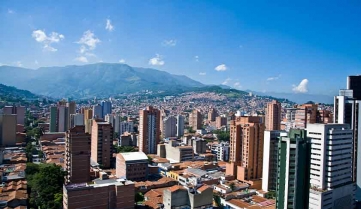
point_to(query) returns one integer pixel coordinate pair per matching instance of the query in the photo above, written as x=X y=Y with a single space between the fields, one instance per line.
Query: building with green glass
x=292 y=187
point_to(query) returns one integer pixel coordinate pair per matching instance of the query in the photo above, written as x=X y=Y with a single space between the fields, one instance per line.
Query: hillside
x=101 y=79
x=9 y=94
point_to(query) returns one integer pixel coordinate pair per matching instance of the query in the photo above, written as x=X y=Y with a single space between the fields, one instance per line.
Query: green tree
x=150 y=160
x=121 y=149
x=222 y=135
x=139 y=197
x=45 y=185
x=217 y=200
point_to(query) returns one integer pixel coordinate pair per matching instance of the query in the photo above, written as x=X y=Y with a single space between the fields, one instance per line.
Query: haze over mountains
x=102 y=79
x=109 y=79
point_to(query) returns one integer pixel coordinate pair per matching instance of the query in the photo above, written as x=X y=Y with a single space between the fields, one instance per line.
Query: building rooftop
x=130 y=156
x=98 y=183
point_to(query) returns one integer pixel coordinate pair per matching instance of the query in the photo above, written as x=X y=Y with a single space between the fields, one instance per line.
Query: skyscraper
x=106 y=108
x=97 y=111
x=331 y=183
x=71 y=106
x=246 y=150
x=59 y=118
x=8 y=129
x=212 y=114
x=149 y=130
x=76 y=120
x=53 y=119
x=77 y=155
x=293 y=170
x=305 y=114
x=195 y=120
x=19 y=111
x=273 y=116
x=270 y=157
x=101 y=143
x=180 y=125
x=169 y=127
x=347 y=110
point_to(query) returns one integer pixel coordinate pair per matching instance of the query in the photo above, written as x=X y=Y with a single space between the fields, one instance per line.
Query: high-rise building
x=195 y=120
x=221 y=121
x=59 y=118
x=331 y=183
x=180 y=125
x=77 y=155
x=8 y=129
x=126 y=126
x=62 y=118
x=19 y=111
x=246 y=150
x=101 y=143
x=293 y=170
x=169 y=127
x=71 y=106
x=88 y=115
x=106 y=108
x=354 y=84
x=347 y=110
x=76 y=120
x=53 y=119
x=149 y=130
x=270 y=157
x=97 y=111
x=212 y=114
x=273 y=116
x=305 y=114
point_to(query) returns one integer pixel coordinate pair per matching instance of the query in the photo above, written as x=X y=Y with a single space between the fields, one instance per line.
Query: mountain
x=10 y=95
x=101 y=79
x=298 y=98
x=12 y=92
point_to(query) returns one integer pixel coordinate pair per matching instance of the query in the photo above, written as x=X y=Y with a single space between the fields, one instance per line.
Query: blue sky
x=303 y=47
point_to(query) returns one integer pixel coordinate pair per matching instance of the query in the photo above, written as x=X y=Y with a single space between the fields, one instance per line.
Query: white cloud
x=10 y=11
x=196 y=58
x=221 y=67
x=109 y=26
x=41 y=37
x=237 y=85
x=81 y=59
x=225 y=82
x=171 y=42
x=157 y=60
x=302 y=87
x=36 y=62
x=88 y=41
x=122 y=61
x=202 y=73
x=273 y=78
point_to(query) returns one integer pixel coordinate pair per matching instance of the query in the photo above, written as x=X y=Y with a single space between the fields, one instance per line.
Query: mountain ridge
x=101 y=79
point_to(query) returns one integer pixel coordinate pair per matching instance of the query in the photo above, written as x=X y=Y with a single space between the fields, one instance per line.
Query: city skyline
x=284 y=50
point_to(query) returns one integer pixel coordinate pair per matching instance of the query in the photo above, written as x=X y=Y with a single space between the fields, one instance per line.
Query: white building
x=180 y=125
x=76 y=120
x=221 y=150
x=270 y=150
x=119 y=126
x=331 y=171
